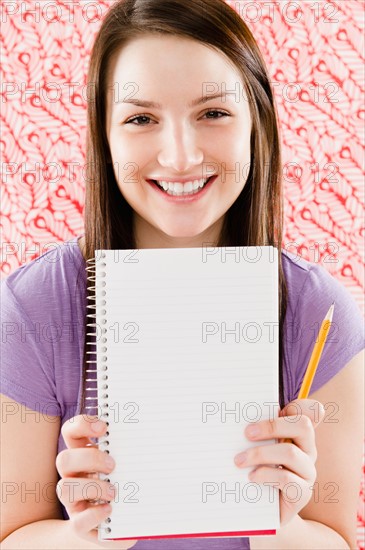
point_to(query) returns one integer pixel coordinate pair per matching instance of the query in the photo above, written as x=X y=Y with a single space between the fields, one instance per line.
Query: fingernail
x=111 y=491
x=109 y=461
x=96 y=426
x=240 y=459
x=253 y=430
x=251 y=475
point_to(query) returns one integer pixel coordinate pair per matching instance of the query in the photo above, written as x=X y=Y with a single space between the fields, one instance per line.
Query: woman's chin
x=183 y=232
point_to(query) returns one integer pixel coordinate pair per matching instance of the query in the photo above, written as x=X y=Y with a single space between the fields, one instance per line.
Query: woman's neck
x=147 y=236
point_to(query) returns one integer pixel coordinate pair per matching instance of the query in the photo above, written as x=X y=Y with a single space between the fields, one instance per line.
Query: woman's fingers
x=295 y=492
x=301 y=431
x=294 y=488
x=296 y=473
x=285 y=454
x=311 y=408
x=86 y=522
x=90 y=459
x=78 y=430
x=80 y=489
x=71 y=491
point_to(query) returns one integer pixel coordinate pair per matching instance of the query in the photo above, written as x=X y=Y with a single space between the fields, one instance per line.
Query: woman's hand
x=288 y=466
x=79 y=466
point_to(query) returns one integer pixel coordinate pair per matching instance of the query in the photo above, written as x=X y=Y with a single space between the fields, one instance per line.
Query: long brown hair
x=256 y=217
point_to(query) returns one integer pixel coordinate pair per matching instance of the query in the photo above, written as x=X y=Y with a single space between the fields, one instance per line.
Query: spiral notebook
x=186 y=355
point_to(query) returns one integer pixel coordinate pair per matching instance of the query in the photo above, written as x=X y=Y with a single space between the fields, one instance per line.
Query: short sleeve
x=26 y=371
x=345 y=338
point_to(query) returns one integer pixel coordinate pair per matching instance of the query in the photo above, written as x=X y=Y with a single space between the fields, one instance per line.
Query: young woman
x=181 y=93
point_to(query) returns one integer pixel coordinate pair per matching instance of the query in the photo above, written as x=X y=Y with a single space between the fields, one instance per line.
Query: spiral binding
x=97 y=366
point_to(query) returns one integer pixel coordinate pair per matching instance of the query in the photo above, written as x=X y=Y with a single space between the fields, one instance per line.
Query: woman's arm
x=31 y=515
x=28 y=481
x=28 y=449
x=301 y=534
x=48 y=534
x=329 y=519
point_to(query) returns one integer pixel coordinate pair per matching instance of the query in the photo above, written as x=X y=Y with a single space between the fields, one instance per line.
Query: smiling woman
x=182 y=141
x=182 y=151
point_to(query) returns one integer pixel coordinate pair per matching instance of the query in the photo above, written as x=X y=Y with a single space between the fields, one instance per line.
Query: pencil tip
x=330 y=312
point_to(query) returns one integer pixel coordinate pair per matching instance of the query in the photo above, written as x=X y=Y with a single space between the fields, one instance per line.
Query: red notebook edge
x=196 y=535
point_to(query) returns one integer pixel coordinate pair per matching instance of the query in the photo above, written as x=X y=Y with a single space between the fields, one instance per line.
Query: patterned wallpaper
x=315 y=54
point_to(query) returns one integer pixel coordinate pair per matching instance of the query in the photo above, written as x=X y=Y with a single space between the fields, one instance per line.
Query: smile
x=178 y=190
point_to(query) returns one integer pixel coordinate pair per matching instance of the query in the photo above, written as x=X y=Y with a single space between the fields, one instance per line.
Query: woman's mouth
x=181 y=191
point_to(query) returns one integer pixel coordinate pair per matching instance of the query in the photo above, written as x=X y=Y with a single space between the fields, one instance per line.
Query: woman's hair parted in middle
x=256 y=217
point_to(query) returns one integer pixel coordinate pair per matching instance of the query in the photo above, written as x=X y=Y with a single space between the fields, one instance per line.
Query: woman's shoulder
x=43 y=308
x=299 y=272
x=311 y=291
x=311 y=285
x=58 y=264
x=61 y=268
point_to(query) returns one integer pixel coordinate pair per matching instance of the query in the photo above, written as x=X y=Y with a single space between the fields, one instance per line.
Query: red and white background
x=314 y=53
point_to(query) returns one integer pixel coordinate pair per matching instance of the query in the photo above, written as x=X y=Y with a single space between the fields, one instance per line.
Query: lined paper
x=192 y=358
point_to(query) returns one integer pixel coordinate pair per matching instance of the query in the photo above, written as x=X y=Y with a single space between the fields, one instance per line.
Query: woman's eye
x=131 y=120
x=216 y=111
x=147 y=118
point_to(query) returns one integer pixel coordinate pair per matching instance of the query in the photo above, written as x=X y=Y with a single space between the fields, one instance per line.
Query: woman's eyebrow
x=194 y=103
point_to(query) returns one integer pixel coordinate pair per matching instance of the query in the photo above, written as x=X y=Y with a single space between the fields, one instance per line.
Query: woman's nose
x=179 y=149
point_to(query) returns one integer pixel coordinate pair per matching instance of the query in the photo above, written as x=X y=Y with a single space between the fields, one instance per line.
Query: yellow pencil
x=315 y=357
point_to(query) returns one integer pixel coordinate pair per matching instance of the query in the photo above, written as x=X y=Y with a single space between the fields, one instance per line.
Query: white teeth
x=178 y=188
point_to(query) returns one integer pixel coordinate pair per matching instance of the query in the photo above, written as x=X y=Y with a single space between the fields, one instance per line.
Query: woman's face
x=181 y=140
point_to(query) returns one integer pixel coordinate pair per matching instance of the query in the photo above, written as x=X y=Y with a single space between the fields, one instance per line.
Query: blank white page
x=191 y=358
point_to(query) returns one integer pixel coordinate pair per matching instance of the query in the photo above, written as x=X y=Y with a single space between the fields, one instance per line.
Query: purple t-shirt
x=43 y=330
